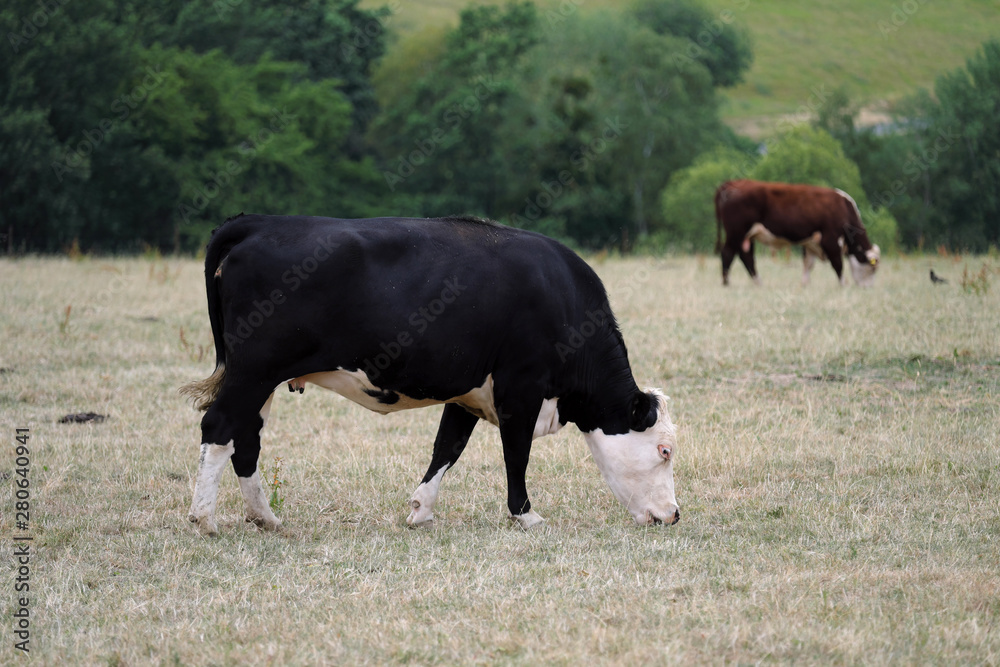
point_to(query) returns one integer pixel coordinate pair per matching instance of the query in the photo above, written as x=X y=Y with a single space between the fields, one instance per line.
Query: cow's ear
x=642 y=414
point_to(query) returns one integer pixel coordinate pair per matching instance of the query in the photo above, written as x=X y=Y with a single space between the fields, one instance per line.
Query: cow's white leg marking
x=423 y=500
x=206 y=486
x=527 y=520
x=258 y=508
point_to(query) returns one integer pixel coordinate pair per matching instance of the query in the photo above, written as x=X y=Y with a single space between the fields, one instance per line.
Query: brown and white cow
x=825 y=222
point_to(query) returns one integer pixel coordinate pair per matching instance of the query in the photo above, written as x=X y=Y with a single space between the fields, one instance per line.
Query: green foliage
x=937 y=167
x=713 y=39
x=606 y=115
x=438 y=142
x=275 y=482
x=568 y=124
x=880 y=155
x=688 y=201
x=809 y=155
x=960 y=146
x=59 y=84
x=333 y=39
x=117 y=130
x=882 y=229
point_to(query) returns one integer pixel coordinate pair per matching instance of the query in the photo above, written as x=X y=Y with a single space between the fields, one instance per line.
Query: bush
x=688 y=200
x=810 y=156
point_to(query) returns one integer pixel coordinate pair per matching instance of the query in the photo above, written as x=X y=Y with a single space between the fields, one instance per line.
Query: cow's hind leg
x=452 y=437
x=230 y=432
x=258 y=509
x=746 y=256
x=728 y=254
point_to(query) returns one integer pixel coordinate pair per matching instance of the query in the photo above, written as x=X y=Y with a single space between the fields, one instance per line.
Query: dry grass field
x=838 y=470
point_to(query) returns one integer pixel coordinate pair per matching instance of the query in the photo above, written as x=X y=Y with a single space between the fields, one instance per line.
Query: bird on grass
x=936 y=279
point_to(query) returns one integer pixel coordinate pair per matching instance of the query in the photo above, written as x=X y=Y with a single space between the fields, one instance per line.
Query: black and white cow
x=497 y=323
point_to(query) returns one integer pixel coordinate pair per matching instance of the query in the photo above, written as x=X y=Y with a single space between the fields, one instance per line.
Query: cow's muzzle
x=656 y=521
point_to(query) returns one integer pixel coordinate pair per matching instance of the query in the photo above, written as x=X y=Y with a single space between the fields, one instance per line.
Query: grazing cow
x=496 y=323
x=826 y=223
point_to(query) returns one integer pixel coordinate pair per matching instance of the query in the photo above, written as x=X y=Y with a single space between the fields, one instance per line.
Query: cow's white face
x=864 y=273
x=639 y=468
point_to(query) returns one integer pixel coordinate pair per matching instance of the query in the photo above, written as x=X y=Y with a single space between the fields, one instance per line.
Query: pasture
x=837 y=468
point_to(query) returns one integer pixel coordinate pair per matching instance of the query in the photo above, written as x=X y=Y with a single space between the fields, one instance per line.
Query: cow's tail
x=202 y=393
x=718 y=218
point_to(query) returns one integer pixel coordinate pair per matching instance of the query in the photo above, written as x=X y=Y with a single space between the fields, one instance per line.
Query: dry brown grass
x=837 y=471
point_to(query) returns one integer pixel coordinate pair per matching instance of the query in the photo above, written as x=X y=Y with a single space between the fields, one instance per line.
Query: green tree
x=714 y=39
x=960 y=153
x=109 y=141
x=689 y=199
x=334 y=39
x=253 y=137
x=606 y=115
x=881 y=153
x=810 y=155
x=64 y=68
x=439 y=143
x=936 y=167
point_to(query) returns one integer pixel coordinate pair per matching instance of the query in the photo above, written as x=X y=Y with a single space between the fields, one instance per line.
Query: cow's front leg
x=517 y=424
x=452 y=437
x=834 y=252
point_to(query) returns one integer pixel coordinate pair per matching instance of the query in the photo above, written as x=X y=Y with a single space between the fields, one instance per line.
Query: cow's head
x=863 y=268
x=639 y=465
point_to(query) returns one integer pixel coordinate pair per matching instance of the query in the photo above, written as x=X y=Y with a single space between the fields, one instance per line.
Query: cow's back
x=462 y=293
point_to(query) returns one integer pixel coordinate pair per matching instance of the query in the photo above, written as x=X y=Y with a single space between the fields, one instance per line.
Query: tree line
x=124 y=127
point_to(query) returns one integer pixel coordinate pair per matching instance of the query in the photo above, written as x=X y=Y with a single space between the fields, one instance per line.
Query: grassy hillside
x=837 y=472
x=801 y=46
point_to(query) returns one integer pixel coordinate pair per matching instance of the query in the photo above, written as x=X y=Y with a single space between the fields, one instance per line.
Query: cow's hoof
x=527 y=520
x=421 y=515
x=206 y=526
x=265 y=523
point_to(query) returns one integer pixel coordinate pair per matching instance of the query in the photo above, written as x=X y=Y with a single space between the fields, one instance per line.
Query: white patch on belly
x=758 y=232
x=548 y=419
x=355 y=386
x=423 y=499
